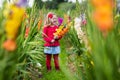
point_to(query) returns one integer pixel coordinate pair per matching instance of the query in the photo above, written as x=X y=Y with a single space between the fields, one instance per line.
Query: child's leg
x=56 y=61
x=48 y=61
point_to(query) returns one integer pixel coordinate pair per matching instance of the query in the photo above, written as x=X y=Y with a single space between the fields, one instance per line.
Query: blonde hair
x=47 y=21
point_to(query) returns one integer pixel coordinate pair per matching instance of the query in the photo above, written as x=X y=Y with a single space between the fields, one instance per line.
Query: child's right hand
x=53 y=41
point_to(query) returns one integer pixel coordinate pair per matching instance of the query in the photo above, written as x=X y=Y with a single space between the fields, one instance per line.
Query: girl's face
x=54 y=20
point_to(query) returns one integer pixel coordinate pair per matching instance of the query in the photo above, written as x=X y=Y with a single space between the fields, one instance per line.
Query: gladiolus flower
x=103 y=20
x=67 y=18
x=84 y=22
x=102 y=2
x=39 y=24
x=61 y=30
x=22 y=3
x=18 y=13
x=9 y=45
x=103 y=14
x=27 y=32
x=25 y=16
x=13 y=22
x=14 y=18
x=60 y=20
x=11 y=28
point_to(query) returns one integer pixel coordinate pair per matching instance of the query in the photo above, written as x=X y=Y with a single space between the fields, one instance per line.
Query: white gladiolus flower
x=77 y=26
x=39 y=65
x=81 y=35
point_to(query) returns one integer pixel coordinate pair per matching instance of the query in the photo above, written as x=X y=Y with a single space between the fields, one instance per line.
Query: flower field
x=90 y=47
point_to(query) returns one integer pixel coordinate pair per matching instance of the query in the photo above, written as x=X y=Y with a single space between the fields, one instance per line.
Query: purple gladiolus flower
x=22 y=3
x=60 y=20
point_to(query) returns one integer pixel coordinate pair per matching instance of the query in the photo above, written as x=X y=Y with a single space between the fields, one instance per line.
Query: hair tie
x=50 y=16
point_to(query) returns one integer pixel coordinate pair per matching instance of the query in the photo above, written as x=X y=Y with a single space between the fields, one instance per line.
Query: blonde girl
x=52 y=45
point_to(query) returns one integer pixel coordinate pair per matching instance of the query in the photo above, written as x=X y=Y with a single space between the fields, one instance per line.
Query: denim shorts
x=52 y=50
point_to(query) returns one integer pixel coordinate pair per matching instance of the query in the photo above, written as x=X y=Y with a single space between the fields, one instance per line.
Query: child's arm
x=45 y=37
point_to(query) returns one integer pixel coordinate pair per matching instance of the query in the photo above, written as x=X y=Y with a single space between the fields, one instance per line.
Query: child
x=52 y=46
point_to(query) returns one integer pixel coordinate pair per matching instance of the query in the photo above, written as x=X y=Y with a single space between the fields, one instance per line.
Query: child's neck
x=52 y=25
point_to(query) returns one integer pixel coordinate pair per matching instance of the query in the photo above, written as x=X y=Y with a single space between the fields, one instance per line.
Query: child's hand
x=55 y=37
x=53 y=41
